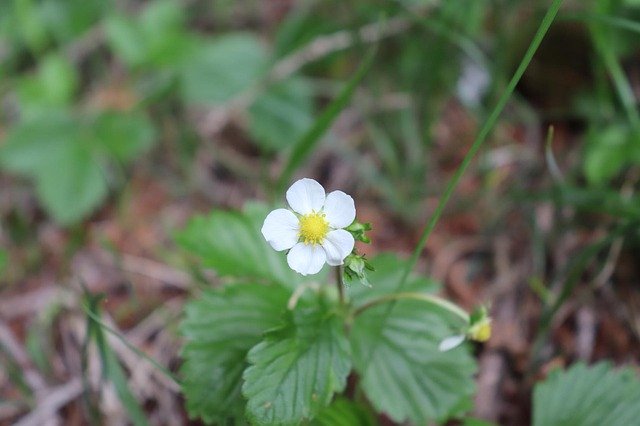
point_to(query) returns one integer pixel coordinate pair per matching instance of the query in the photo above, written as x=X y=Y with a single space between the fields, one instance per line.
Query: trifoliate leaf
x=66 y=156
x=280 y=116
x=219 y=70
x=588 y=396
x=396 y=353
x=231 y=243
x=297 y=368
x=220 y=327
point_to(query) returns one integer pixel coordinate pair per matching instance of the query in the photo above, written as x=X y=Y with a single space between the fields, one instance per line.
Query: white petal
x=338 y=244
x=305 y=196
x=306 y=259
x=451 y=342
x=280 y=229
x=339 y=209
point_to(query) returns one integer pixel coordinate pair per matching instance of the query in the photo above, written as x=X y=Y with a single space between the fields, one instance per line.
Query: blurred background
x=121 y=119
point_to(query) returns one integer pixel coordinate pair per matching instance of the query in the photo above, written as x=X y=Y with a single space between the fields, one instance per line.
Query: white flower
x=314 y=232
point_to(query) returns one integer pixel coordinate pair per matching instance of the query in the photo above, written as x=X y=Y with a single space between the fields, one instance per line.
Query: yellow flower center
x=313 y=228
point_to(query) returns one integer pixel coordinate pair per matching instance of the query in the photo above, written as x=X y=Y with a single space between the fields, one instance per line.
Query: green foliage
x=54 y=85
x=155 y=38
x=395 y=352
x=609 y=151
x=279 y=117
x=222 y=69
x=231 y=243
x=343 y=412
x=588 y=396
x=220 y=327
x=298 y=367
x=68 y=159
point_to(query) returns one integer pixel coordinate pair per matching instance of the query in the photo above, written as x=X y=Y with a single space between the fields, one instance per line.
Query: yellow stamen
x=313 y=228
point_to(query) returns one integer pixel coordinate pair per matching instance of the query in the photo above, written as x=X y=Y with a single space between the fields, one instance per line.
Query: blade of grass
x=613 y=21
x=96 y=319
x=575 y=269
x=612 y=64
x=475 y=147
x=311 y=138
x=111 y=367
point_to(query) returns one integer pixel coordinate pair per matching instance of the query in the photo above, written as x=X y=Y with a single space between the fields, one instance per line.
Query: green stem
x=340 y=283
x=477 y=144
x=422 y=297
x=481 y=138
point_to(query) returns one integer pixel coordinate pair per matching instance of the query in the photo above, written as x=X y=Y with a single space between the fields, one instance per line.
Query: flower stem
x=340 y=283
x=422 y=297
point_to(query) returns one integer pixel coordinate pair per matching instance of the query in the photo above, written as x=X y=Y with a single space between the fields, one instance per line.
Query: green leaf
x=126 y=39
x=395 y=351
x=54 y=85
x=73 y=186
x=32 y=144
x=220 y=327
x=297 y=368
x=343 y=412
x=282 y=114
x=219 y=70
x=608 y=152
x=231 y=243
x=124 y=135
x=588 y=396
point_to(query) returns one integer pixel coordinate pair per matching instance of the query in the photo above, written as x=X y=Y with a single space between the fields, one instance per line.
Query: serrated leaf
x=219 y=70
x=343 y=412
x=280 y=116
x=588 y=396
x=231 y=243
x=296 y=369
x=395 y=352
x=220 y=327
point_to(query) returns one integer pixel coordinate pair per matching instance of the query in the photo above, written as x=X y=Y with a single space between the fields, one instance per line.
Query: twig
x=52 y=402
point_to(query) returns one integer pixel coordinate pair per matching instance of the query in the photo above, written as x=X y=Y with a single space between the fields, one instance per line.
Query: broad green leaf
x=608 y=152
x=54 y=84
x=343 y=412
x=124 y=135
x=231 y=243
x=222 y=69
x=297 y=368
x=32 y=144
x=126 y=39
x=588 y=396
x=220 y=327
x=395 y=352
x=73 y=186
x=282 y=114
